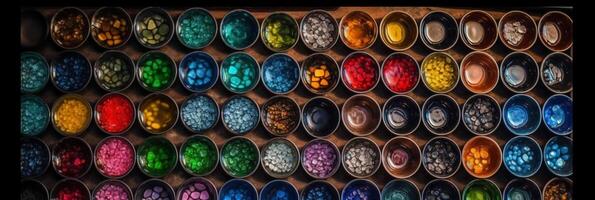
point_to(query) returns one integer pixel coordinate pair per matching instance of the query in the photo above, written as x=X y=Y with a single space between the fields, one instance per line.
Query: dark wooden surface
x=218 y=50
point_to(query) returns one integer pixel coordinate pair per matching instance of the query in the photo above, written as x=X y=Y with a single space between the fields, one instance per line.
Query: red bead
x=400 y=73
x=115 y=113
x=360 y=72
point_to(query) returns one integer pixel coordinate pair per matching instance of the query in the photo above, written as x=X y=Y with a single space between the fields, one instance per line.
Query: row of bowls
x=478 y=72
x=557 y=155
x=401 y=187
x=361 y=115
x=438 y=30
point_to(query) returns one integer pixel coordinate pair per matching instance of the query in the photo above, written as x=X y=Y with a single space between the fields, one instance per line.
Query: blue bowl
x=240 y=114
x=557 y=114
x=198 y=71
x=443 y=187
x=237 y=189
x=239 y=29
x=278 y=189
x=400 y=189
x=319 y=189
x=360 y=187
x=557 y=155
x=522 y=156
x=521 y=114
x=525 y=188
x=280 y=73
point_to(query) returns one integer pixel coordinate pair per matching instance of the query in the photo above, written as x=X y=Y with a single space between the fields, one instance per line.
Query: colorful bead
x=358 y=30
x=199 y=155
x=239 y=157
x=522 y=156
x=558 y=154
x=71 y=114
x=439 y=72
x=360 y=189
x=400 y=73
x=34 y=72
x=155 y=190
x=320 y=159
x=111 y=27
x=70 y=72
x=70 y=27
x=280 y=73
x=156 y=71
x=441 y=157
x=278 y=190
x=239 y=72
x=280 y=32
x=112 y=190
x=35 y=157
x=114 y=157
x=320 y=73
x=114 y=71
x=280 y=115
x=319 y=30
x=360 y=72
x=114 y=113
x=35 y=115
x=240 y=114
x=239 y=29
x=196 y=28
x=280 y=157
x=153 y=27
x=198 y=71
x=72 y=157
x=158 y=113
x=237 y=189
x=558 y=189
x=199 y=113
x=70 y=189
x=197 y=189
x=156 y=156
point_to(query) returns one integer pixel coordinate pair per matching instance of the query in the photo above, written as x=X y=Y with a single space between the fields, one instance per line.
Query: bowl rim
x=140 y=114
x=384 y=159
x=126 y=17
x=389 y=101
x=394 y=54
x=333 y=21
x=194 y=9
x=168 y=21
x=501 y=33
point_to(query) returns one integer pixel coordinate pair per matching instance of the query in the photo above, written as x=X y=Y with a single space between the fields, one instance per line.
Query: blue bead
x=280 y=73
x=198 y=71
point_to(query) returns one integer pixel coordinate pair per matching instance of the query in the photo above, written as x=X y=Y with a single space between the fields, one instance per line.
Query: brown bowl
x=408 y=29
x=511 y=37
x=478 y=30
x=479 y=72
x=401 y=145
x=360 y=115
x=555 y=31
x=494 y=156
x=360 y=24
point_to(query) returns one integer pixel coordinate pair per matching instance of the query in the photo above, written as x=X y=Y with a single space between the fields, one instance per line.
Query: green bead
x=156 y=73
x=156 y=156
x=199 y=155
x=280 y=32
x=239 y=157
